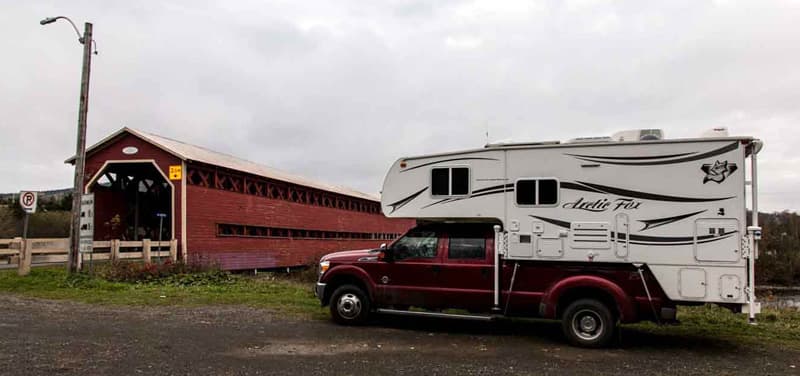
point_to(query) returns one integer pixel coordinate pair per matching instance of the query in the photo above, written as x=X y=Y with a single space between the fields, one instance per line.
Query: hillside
x=56 y=194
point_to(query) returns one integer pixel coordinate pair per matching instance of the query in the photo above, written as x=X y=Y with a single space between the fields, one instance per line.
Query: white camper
x=677 y=206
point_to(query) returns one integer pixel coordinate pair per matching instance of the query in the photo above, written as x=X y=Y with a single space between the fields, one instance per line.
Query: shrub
x=171 y=273
x=43 y=224
x=305 y=274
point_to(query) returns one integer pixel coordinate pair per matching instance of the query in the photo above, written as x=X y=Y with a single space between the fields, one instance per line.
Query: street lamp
x=80 y=154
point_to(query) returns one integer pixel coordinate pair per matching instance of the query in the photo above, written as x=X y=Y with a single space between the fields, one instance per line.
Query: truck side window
x=416 y=244
x=450 y=181
x=466 y=247
x=536 y=192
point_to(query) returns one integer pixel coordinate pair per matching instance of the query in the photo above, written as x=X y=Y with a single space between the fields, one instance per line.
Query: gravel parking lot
x=47 y=337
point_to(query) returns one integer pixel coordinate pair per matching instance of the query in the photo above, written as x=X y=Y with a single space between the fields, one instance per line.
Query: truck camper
x=593 y=232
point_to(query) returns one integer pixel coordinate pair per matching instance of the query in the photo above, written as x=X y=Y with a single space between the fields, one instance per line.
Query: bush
x=43 y=224
x=779 y=250
x=170 y=273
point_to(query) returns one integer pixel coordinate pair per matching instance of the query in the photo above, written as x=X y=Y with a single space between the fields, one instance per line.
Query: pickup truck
x=451 y=266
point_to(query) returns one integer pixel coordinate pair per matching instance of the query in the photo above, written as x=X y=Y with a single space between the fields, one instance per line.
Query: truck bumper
x=319 y=291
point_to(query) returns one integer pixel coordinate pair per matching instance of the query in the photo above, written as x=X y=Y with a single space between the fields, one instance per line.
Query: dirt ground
x=39 y=337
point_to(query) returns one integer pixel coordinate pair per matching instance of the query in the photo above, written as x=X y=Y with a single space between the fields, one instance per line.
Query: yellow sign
x=175 y=172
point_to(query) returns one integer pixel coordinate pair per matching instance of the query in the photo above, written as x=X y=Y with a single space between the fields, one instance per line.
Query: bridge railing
x=34 y=252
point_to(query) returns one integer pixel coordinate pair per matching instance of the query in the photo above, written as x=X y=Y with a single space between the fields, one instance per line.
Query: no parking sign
x=28 y=201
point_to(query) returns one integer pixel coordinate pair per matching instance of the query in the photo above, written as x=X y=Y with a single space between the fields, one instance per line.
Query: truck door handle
x=485 y=272
x=436 y=268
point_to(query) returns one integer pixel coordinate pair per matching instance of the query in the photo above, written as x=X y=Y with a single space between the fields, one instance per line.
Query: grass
x=775 y=327
x=281 y=295
x=292 y=296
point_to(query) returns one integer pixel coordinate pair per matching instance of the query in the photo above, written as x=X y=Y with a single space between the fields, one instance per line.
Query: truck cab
x=437 y=266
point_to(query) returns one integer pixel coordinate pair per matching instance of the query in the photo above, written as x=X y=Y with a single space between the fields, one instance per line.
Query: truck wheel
x=349 y=305
x=588 y=323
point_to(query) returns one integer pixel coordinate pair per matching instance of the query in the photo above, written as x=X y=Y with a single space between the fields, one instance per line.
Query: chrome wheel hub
x=587 y=325
x=348 y=306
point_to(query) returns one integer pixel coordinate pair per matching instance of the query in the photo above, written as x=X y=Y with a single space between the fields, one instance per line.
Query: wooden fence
x=51 y=251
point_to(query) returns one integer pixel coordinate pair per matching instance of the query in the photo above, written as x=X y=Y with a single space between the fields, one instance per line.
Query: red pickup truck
x=451 y=266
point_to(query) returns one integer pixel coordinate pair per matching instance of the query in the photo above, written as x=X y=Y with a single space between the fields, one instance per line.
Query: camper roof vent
x=639 y=135
x=502 y=144
x=716 y=132
x=587 y=140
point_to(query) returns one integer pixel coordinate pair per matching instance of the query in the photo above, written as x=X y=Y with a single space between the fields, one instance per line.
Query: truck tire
x=349 y=305
x=588 y=323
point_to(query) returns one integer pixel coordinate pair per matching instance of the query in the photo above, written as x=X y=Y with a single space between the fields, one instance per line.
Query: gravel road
x=56 y=337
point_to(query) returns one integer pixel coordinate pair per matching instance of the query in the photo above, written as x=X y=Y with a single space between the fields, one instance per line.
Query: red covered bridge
x=224 y=209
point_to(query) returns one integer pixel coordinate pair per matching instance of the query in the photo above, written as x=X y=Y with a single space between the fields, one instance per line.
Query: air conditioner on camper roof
x=639 y=135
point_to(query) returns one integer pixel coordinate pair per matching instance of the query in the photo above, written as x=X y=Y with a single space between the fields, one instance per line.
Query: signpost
x=28 y=201
x=86 y=240
x=161 y=217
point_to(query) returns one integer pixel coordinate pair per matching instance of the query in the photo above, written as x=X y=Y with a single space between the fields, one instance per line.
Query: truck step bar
x=436 y=314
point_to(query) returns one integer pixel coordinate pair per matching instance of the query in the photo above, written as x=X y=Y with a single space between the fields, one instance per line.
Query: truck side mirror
x=385 y=254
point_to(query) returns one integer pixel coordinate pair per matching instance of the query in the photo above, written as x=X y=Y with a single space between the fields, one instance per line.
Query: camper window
x=536 y=192
x=440 y=181
x=526 y=192
x=548 y=192
x=459 y=181
x=450 y=181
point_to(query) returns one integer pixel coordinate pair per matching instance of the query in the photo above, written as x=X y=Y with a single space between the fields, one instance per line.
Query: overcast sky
x=337 y=90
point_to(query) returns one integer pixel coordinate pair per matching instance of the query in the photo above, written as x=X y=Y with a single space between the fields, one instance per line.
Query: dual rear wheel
x=589 y=323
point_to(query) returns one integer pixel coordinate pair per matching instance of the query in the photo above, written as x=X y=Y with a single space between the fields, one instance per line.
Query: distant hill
x=55 y=194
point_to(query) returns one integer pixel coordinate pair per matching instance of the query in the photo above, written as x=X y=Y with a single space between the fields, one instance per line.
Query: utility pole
x=80 y=153
x=80 y=150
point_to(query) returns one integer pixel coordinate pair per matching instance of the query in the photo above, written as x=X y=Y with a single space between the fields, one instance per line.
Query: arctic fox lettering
x=603 y=204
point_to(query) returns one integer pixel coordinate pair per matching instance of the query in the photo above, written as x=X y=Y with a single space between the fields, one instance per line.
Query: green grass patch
x=775 y=327
x=292 y=296
x=281 y=295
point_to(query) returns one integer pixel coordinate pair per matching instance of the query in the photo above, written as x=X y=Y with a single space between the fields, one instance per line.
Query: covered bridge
x=223 y=209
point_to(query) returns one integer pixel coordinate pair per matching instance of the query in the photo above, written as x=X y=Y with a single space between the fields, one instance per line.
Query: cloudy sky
x=337 y=90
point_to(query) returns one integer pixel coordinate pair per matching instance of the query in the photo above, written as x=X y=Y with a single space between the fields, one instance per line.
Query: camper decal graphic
x=653 y=223
x=653 y=160
x=651 y=240
x=597 y=188
x=403 y=202
x=497 y=189
x=718 y=171
x=449 y=160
